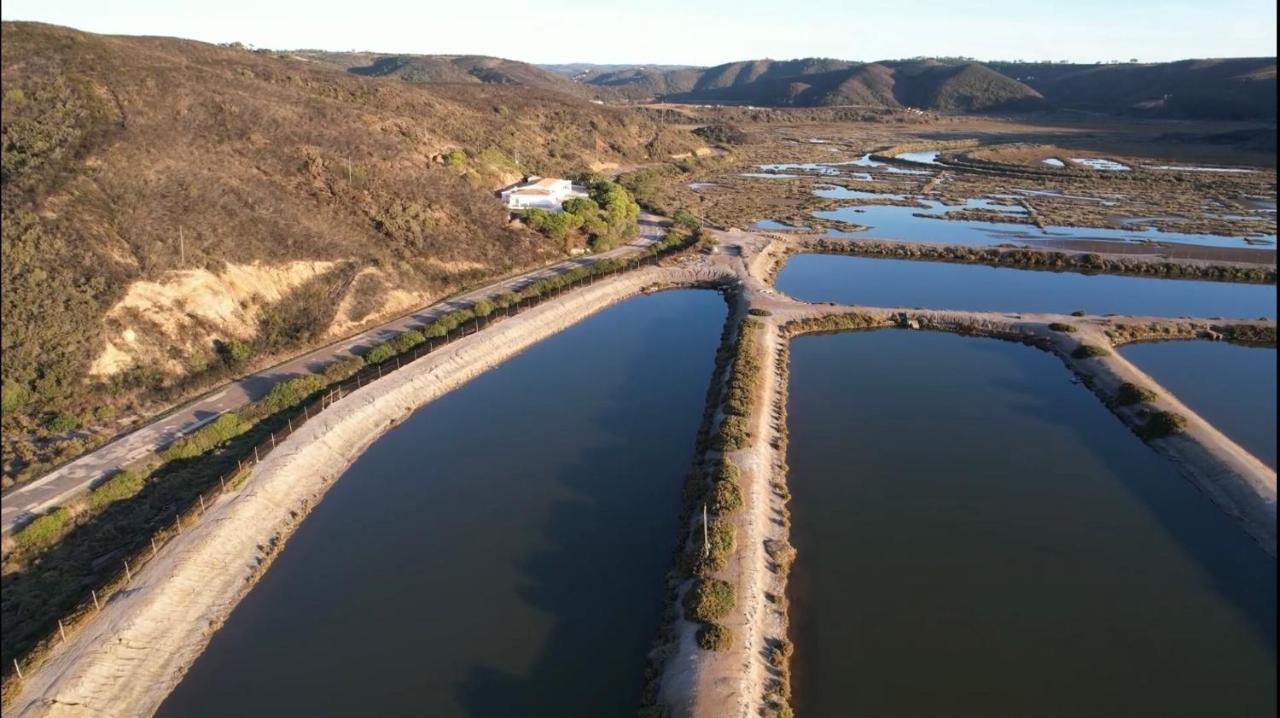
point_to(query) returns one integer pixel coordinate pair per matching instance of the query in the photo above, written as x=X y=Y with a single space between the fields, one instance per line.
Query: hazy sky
x=702 y=32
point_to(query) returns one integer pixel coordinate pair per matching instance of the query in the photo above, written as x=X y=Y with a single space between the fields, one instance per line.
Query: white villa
x=541 y=192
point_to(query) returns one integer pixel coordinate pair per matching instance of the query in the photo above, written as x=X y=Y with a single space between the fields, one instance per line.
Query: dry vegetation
x=130 y=159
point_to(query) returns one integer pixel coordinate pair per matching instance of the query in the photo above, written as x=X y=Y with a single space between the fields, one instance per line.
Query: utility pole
x=706 y=542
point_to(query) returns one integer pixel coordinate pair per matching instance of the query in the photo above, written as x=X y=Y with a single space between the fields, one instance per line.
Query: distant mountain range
x=1237 y=88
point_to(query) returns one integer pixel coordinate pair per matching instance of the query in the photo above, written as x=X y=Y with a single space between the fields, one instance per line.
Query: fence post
x=379 y=371
x=273 y=440
x=255 y=454
x=290 y=420
x=153 y=547
x=223 y=480
x=128 y=573
x=17 y=668
x=96 y=606
x=62 y=631
x=201 y=497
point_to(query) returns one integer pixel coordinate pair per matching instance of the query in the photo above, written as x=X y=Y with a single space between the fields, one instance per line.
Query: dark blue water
x=979 y=537
x=501 y=553
x=1233 y=387
x=974 y=287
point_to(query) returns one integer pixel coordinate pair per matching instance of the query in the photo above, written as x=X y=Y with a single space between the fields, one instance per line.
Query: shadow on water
x=612 y=516
x=1223 y=555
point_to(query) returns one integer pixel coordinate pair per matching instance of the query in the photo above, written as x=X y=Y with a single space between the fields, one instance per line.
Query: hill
x=167 y=201
x=434 y=69
x=1242 y=88
x=1238 y=88
x=819 y=82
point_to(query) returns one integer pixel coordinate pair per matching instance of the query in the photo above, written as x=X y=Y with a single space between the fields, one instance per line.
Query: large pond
x=975 y=287
x=978 y=536
x=894 y=222
x=1231 y=386
x=500 y=553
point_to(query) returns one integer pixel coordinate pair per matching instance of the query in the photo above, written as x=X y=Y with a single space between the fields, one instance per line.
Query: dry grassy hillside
x=171 y=207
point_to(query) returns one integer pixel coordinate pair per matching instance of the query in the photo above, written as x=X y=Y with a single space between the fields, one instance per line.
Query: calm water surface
x=977 y=536
x=501 y=553
x=893 y=222
x=1231 y=386
x=975 y=287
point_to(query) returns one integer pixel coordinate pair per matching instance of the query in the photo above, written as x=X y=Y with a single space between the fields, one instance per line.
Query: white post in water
x=706 y=543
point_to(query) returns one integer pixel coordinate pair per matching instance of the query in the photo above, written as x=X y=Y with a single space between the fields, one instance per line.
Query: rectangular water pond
x=1232 y=387
x=977 y=536
x=500 y=553
x=976 y=287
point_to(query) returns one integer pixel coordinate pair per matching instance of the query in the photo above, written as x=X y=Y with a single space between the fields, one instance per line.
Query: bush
x=407 y=340
x=726 y=471
x=726 y=497
x=44 y=530
x=121 y=485
x=234 y=353
x=758 y=312
x=342 y=369
x=1078 y=313
x=283 y=395
x=13 y=396
x=1164 y=423
x=714 y=637
x=62 y=423
x=1060 y=327
x=685 y=219
x=780 y=652
x=379 y=353
x=733 y=433
x=708 y=599
x=1089 y=351
x=224 y=428
x=1130 y=393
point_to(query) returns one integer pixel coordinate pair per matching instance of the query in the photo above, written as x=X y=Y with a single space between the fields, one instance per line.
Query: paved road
x=57 y=486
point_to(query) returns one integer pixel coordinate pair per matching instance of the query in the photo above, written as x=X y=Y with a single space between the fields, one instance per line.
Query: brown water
x=500 y=553
x=977 y=536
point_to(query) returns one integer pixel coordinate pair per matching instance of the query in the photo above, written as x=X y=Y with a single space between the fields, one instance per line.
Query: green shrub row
x=121 y=485
x=43 y=530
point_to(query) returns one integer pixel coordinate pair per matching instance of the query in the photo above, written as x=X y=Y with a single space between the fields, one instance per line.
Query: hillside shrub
x=1061 y=327
x=234 y=353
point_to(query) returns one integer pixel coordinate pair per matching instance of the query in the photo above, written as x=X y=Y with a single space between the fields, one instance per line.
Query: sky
x=705 y=32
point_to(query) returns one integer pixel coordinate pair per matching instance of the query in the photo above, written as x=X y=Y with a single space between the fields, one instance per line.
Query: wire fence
x=133 y=557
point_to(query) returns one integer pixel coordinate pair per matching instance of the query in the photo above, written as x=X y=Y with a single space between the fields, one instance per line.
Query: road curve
x=56 y=487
